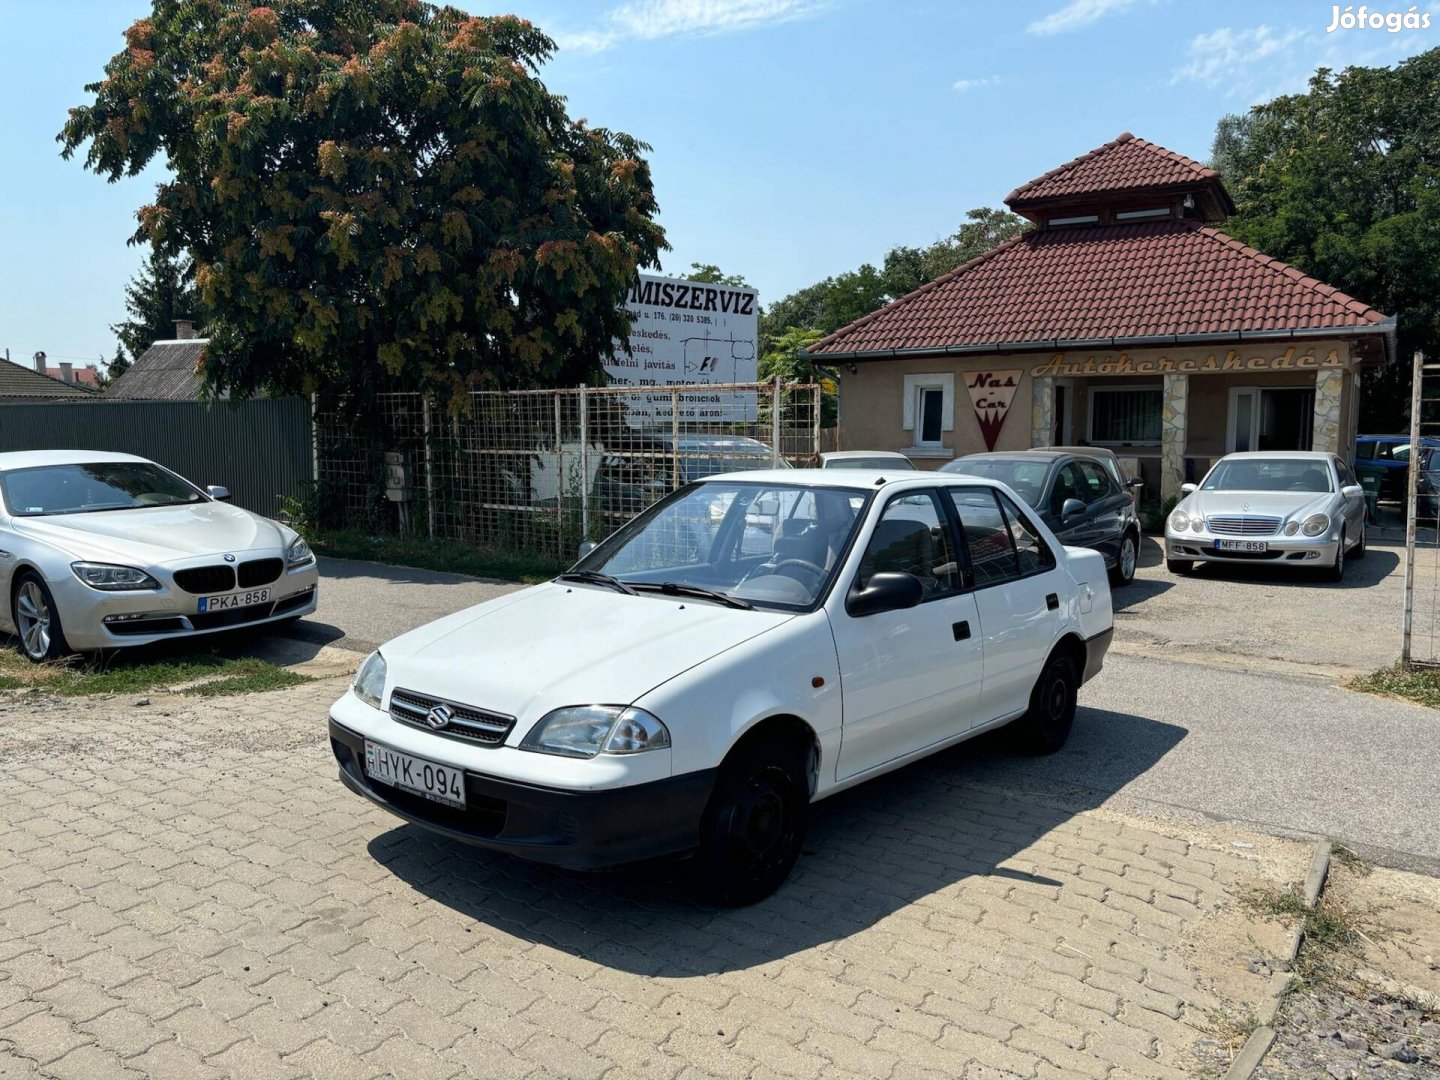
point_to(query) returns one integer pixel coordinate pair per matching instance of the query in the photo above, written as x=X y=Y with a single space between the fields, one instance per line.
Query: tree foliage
x=1343 y=182
x=155 y=297
x=784 y=358
x=830 y=304
x=374 y=193
x=713 y=275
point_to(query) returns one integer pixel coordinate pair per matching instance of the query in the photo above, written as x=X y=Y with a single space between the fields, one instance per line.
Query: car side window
x=1069 y=484
x=1365 y=452
x=1347 y=477
x=987 y=536
x=913 y=537
x=1033 y=553
x=1097 y=482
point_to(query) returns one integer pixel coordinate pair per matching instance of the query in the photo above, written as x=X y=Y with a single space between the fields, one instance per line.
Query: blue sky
x=792 y=139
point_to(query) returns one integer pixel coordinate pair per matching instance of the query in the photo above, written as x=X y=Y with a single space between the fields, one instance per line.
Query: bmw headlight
x=369 y=685
x=299 y=554
x=108 y=578
x=582 y=731
x=1315 y=524
x=1179 y=521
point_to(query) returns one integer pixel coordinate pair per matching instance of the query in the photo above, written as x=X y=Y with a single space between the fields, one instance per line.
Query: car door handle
x=961 y=630
x=1052 y=601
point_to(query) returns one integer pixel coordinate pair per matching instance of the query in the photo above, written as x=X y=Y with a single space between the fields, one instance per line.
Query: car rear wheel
x=37 y=623
x=1046 y=724
x=754 y=824
x=1124 y=570
x=1179 y=566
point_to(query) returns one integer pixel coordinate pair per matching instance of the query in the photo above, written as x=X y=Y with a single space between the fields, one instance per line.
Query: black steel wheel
x=1046 y=724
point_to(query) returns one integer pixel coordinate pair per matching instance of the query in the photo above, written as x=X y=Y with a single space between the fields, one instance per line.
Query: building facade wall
x=1195 y=382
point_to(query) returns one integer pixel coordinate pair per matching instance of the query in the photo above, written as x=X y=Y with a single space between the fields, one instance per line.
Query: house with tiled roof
x=1124 y=318
x=169 y=370
x=19 y=383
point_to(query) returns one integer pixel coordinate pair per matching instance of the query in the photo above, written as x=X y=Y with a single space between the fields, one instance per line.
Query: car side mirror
x=1352 y=491
x=1135 y=483
x=586 y=546
x=218 y=492
x=767 y=505
x=885 y=592
x=1071 y=508
x=1188 y=489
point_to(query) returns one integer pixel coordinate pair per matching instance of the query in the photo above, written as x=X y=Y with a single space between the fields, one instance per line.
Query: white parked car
x=866 y=459
x=656 y=700
x=101 y=550
x=1270 y=508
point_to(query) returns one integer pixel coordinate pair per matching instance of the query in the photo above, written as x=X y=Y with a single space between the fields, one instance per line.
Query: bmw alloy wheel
x=32 y=619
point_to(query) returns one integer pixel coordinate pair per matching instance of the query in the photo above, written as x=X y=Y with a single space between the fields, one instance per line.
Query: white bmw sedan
x=693 y=683
x=100 y=550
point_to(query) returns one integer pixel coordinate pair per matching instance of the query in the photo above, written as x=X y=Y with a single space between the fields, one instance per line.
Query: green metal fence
x=262 y=450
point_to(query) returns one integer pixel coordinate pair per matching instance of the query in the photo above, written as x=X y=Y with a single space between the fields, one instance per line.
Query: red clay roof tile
x=1122 y=281
x=1123 y=164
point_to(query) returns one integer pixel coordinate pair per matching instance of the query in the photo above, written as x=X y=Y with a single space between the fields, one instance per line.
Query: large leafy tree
x=155 y=297
x=1343 y=182
x=907 y=268
x=374 y=193
x=713 y=275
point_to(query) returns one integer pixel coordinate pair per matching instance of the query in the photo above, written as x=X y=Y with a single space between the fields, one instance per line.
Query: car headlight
x=110 y=578
x=1197 y=522
x=1291 y=528
x=369 y=685
x=1316 y=524
x=1179 y=521
x=582 y=731
x=299 y=553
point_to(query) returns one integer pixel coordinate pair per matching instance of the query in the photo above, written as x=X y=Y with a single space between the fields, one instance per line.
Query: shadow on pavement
x=872 y=851
x=1375 y=567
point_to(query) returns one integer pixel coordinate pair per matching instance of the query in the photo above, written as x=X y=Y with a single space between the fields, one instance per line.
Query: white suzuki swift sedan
x=698 y=679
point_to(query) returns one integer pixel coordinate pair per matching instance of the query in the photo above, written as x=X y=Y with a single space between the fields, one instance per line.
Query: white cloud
x=1221 y=56
x=974 y=84
x=1076 y=14
x=649 y=20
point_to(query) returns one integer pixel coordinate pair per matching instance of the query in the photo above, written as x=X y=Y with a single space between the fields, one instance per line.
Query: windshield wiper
x=592 y=577
x=675 y=588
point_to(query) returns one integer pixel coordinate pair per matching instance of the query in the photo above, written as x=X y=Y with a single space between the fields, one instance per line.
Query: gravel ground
x=1342 y=1033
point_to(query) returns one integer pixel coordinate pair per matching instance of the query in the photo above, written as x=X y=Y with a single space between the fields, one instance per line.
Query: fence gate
x=541 y=470
x=1421 y=634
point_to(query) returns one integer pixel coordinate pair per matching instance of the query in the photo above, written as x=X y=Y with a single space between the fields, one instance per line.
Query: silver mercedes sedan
x=101 y=550
x=1291 y=508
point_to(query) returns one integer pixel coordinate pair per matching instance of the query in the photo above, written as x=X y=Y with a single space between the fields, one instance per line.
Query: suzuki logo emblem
x=439 y=716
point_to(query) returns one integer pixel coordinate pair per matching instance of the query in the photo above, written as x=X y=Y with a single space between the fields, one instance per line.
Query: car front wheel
x=37 y=622
x=1046 y=724
x=1124 y=570
x=1336 y=571
x=1359 y=552
x=754 y=824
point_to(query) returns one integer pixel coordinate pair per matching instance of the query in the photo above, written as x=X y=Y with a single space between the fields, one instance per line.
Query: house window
x=1142 y=215
x=929 y=410
x=1078 y=219
x=1126 y=415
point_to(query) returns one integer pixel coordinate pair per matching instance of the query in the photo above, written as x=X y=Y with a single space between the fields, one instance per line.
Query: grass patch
x=211 y=675
x=449 y=556
x=1420 y=685
x=1333 y=931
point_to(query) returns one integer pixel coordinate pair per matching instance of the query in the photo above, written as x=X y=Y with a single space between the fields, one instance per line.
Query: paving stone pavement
x=187 y=891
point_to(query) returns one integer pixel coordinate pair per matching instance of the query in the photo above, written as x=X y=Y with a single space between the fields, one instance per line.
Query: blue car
x=1392 y=454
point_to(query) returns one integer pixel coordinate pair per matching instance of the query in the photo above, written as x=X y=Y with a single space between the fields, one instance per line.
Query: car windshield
x=767 y=545
x=1269 y=474
x=89 y=488
x=1026 y=478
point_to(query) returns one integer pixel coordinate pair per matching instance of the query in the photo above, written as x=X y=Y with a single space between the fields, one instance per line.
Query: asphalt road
x=1179 y=724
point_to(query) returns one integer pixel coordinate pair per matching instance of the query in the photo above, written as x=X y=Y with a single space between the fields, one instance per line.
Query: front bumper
x=95 y=620
x=577 y=829
x=1311 y=551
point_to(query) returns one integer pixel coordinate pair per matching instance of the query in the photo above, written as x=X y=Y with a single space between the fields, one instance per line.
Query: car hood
x=556 y=644
x=154 y=535
x=1281 y=504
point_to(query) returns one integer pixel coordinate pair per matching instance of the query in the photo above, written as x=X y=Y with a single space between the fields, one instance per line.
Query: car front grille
x=259 y=572
x=1243 y=525
x=206 y=579
x=467 y=723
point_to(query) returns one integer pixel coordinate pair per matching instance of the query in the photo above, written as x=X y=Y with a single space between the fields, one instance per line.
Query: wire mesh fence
x=542 y=470
x=1419 y=464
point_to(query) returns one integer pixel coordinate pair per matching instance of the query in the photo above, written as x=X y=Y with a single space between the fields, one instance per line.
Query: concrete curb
x=1253 y=1052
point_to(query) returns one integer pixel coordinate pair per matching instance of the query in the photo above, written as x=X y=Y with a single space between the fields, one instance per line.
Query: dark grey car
x=1081 y=497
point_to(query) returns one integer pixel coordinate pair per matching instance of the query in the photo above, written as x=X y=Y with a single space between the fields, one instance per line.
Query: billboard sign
x=685 y=333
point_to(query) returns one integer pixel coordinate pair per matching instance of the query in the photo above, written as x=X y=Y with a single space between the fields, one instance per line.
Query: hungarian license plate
x=439 y=783
x=1241 y=545
x=230 y=601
